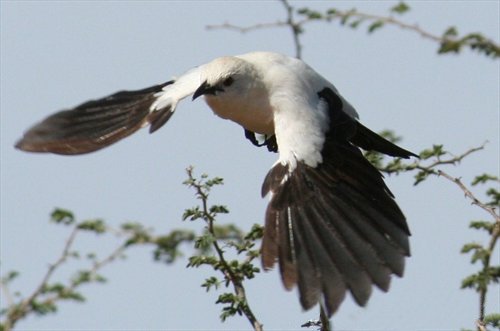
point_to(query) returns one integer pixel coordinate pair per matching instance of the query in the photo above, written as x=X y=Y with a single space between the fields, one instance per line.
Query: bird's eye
x=228 y=81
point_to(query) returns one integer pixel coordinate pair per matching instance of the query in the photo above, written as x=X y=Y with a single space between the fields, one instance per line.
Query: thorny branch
x=28 y=305
x=226 y=269
x=397 y=167
x=295 y=26
x=490 y=208
x=449 y=41
x=491 y=245
x=475 y=201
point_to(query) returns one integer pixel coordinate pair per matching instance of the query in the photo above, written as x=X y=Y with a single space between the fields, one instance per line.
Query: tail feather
x=94 y=124
x=333 y=228
x=332 y=282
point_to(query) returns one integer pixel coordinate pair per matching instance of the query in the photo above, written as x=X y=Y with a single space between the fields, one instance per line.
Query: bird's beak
x=206 y=88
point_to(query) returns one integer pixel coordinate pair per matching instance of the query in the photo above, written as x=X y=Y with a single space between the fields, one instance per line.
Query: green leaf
x=482 y=225
x=375 y=26
x=9 y=277
x=198 y=260
x=227 y=298
x=494 y=195
x=355 y=24
x=449 y=46
x=492 y=320
x=62 y=216
x=450 y=32
x=204 y=241
x=469 y=247
x=310 y=14
x=211 y=282
x=480 y=280
x=167 y=247
x=214 y=181
x=421 y=176
x=43 y=308
x=255 y=233
x=98 y=226
x=218 y=209
x=192 y=214
x=436 y=150
x=484 y=178
x=331 y=12
x=72 y=295
x=400 y=8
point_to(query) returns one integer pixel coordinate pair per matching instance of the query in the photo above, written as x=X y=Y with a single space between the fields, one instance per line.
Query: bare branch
x=243 y=29
x=475 y=201
x=296 y=28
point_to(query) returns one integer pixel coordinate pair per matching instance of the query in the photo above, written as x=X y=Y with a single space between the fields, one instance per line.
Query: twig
x=25 y=306
x=296 y=28
x=495 y=233
x=429 y=169
x=239 y=289
x=475 y=201
x=480 y=326
x=454 y=159
x=325 y=321
x=7 y=326
x=7 y=294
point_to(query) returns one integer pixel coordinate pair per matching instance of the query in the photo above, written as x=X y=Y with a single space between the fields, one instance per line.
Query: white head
x=234 y=90
x=227 y=76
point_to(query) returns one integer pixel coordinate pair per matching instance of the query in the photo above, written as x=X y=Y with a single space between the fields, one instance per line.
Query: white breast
x=256 y=116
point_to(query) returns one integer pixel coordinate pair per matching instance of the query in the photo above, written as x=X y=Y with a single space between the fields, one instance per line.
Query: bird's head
x=226 y=77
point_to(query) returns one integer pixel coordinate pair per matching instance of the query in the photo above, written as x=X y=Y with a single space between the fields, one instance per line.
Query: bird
x=331 y=224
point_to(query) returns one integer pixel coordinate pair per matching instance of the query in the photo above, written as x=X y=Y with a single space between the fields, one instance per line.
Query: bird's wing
x=332 y=224
x=99 y=123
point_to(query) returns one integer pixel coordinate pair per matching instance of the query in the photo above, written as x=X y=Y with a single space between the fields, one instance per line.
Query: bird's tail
x=334 y=228
x=95 y=124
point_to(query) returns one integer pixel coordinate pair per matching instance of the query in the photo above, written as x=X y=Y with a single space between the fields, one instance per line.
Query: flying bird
x=332 y=225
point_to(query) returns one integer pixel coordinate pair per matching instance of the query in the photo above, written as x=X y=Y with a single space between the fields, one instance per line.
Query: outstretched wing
x=99 y=123
x=335 y=227
x=95 y=124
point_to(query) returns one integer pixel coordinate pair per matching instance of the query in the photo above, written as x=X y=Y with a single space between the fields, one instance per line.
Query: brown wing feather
x=95 y=124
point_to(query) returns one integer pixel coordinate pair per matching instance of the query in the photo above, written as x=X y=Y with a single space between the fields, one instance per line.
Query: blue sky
x=55 y=55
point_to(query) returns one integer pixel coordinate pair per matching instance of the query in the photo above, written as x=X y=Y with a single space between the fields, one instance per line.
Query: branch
x=454 y=160
x=42 y=300
x=449 y=41
x=325 y=321
x=295 y=26
x=475 y=201
x=396 y=166
x=495 y=233
x=26 y=306
x=225 y=267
